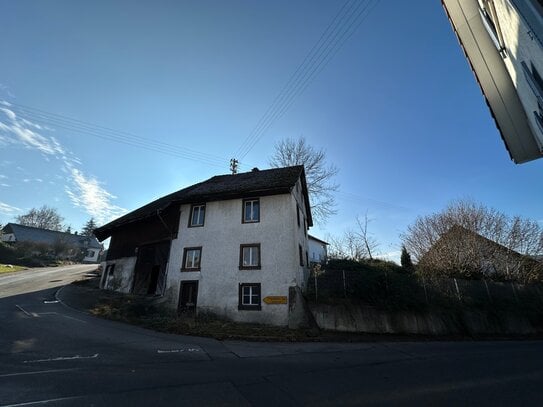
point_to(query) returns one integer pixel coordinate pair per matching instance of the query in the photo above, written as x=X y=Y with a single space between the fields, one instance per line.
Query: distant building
x=233 y=245
x=318 y=252
x=460 y=250
x=75 y=244
x=503 y=42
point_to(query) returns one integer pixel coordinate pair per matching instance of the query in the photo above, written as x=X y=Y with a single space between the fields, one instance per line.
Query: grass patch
x=8 y=268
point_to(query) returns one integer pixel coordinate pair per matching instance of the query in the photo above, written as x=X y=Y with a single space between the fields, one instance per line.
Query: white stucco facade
x=522 y=46
x=317 y=250
x=220 y=276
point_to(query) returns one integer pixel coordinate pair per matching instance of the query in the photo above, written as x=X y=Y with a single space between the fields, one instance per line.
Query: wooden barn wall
x=126 y=239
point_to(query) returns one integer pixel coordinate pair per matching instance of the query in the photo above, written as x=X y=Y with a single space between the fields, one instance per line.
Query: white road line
x=33 y=403
x=177 y=350
x=75 y=319
x=51 y=302
x=62 y=358
x=37 y=372
x=26 y=312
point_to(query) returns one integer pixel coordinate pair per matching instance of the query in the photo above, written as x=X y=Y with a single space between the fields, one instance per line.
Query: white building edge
x=503 y=42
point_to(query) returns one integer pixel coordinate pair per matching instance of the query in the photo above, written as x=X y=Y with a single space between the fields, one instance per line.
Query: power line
x=330 y=42
x=118 y=136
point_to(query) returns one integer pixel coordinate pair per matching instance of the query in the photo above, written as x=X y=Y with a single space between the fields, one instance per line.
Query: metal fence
x=398 y=290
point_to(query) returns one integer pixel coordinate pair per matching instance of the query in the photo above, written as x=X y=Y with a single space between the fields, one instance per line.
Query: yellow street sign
x=275 y=299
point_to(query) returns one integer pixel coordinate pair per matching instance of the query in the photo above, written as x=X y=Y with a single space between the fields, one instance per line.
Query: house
x=233 y=245
x=318 y=252
x=460 y=251
x=503 y=42
x=72 y=246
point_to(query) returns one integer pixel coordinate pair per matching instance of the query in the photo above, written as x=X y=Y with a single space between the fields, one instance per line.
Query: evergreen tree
x=89 y=227
x=406 y=262
x=68 y=230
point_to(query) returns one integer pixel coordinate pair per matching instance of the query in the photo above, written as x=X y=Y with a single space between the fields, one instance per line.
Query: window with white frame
x=191 y=259
x=197 y=215
x=249 y=256
x=249 y=296
x=251 y=210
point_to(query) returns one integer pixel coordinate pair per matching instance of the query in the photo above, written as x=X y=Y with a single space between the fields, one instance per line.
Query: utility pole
x=234 y=165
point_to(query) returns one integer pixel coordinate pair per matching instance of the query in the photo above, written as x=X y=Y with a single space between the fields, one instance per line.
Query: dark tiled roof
x=37 y=235
x=220 y=187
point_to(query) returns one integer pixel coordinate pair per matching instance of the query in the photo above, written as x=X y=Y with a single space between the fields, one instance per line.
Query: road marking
x=26 y=312
x=51 y=301
x=75 y=319
x=62 y=358
x=177 y=350
x=38 y=372
x=31 y=403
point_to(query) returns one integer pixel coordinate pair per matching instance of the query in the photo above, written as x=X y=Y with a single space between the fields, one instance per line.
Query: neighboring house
x=318 y=252
x=75 y=244
x=503 y=42
x=462 y=251
x=233 y=245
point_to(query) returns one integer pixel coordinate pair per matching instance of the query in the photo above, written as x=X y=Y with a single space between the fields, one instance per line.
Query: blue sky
x=397 y=108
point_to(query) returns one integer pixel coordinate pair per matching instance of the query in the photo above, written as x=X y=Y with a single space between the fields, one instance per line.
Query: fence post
x=514 y=291
x=487 y=291
x=457 y=290
x=316 y=288
x=425 y=292
x=344 y=286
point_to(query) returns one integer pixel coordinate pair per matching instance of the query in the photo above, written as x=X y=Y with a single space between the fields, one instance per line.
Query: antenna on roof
x=234 y=165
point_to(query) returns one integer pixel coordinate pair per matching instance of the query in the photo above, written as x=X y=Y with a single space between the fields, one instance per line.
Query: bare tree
x=369 y=243
x=44 y=218
x=319 y=175
x=471 y=239
x=355 y=243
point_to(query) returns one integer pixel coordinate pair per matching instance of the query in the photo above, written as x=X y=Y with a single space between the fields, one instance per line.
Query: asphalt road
x=53 y=355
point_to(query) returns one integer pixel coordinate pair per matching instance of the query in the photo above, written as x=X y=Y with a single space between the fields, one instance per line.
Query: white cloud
x=391 y=256
x=84 y=191
x=87 y=192
x=5 y=185
x=2 y=176
x=23 y=132
x=6 y=209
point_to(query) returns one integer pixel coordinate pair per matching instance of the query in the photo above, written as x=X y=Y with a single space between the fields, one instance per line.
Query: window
x=298 y=214
x=191 y=259
x=306 y=258
x=249 y=297
x=90 y=253
x=301 y=253
x=197 y=215
x=249 y=256
x=251 y=211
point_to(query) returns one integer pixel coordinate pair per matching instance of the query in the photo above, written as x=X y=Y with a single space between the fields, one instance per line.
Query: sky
x=108 y=105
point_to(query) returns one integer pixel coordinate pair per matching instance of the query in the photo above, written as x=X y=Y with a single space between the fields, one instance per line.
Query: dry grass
x=137 y=311
x=8 y=268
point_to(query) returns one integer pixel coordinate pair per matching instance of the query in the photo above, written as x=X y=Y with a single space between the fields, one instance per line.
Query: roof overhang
x=494 y=80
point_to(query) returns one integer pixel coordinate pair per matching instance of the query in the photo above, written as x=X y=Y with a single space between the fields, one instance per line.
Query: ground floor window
x=249 y=296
